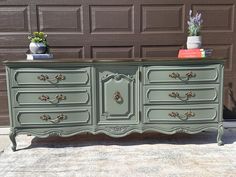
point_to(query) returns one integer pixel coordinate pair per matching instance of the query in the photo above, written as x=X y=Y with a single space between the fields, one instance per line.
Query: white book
x=39 y=56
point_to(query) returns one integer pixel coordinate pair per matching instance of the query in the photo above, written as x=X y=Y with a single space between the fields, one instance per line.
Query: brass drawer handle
x=58 y=119
x=56 y=100
x=186 y=97
x=57 y=78
x=186 y=77
x=182 y=117
x=117 y=97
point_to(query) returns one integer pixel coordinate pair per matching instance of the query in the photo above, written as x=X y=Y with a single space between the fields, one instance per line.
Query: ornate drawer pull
x=58 y=119
x=117 y=97
x=187 y=76
x=182 y=98
x=57 y=98
x=182 y=117
x=57 y=78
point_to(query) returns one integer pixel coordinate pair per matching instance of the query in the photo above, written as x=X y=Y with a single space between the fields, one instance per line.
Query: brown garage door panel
x=60 y=18
x=4 y=120
x=67 y=52
x=113 y=52
x=161 y=51
x=117 y=29
x=14 y=18
x=156 y=18
x=218 y=18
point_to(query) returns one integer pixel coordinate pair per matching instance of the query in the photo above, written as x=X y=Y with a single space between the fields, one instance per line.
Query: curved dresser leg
x=12 y=136
x=220 y=134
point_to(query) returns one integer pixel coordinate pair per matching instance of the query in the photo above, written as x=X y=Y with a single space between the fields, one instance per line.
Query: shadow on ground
x=132 y=139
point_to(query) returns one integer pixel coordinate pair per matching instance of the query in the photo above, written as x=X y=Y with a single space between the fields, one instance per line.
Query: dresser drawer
x=181 y=74
x=52 y=117
x=34 y=97
x=181 y=113
x=51 y=77
x=181 y=94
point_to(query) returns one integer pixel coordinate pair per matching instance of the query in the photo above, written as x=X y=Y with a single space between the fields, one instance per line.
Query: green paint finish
x=181 y=113
x=114 y=97
x=55 y=117
x=53 y=77
x=181 y=74
x=118 y=95
x=34 y=97
x=181 y=94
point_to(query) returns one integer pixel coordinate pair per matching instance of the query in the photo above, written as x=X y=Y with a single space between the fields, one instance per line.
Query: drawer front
x=53 y=117
x=51 y=77
x=181 y=74
x=51 y=96
x=181 y=94
x=181 y=113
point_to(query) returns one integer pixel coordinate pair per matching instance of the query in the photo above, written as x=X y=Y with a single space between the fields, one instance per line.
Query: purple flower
x=194 y=23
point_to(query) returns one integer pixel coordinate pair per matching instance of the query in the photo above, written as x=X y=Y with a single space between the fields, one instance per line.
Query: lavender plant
x=194 y=24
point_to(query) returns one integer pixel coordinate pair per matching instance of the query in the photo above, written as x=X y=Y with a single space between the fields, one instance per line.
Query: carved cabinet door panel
x=118 y=100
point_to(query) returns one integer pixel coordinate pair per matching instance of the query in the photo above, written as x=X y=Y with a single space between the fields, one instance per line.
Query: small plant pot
x=37 y=48
x=194 y=42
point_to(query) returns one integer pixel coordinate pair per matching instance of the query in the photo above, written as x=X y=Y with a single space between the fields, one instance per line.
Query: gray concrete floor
x=4 y=142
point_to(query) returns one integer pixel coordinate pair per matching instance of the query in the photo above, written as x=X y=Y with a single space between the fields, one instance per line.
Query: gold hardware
x=45 y=117
x=58 y=119
x=182 y=98
x=187 y=76
x=57 y=98
x=43 y=77
x=57 y=78
x=174 y=75
x=117 y=97
x=182 y=117
x=60 y=77
x=44 y=98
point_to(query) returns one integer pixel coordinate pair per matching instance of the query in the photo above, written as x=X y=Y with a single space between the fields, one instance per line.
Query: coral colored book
x=192 y=53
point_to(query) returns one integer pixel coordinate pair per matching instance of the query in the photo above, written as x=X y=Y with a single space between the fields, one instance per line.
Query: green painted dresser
x=67 y=97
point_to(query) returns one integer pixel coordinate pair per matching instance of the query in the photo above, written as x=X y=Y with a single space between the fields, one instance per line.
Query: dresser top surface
x=153 y=60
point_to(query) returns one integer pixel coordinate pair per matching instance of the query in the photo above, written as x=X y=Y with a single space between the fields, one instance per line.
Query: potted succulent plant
x=38 y=44
x=194 y=39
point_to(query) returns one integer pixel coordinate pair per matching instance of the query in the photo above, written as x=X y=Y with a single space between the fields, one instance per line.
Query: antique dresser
x=67 y=97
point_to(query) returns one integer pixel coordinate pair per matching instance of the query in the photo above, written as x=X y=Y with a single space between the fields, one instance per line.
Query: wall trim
x=230 y=124
x=4 y=130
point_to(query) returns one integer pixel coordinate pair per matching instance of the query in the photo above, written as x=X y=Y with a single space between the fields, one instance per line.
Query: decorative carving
x=117 y=129
x=117 y=77
x=181 y=130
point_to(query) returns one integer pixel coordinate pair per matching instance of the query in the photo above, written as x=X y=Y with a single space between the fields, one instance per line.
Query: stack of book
x=39 y=56
x=194 y=53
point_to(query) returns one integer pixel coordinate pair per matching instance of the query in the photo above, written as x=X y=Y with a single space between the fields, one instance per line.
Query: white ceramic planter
x=194 y=42
x=37 y=48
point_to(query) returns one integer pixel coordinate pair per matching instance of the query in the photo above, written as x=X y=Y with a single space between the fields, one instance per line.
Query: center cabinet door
x=118 y=95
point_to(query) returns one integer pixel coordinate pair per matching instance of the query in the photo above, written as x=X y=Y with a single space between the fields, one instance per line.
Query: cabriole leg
x=220 y=134
x=12 y=136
